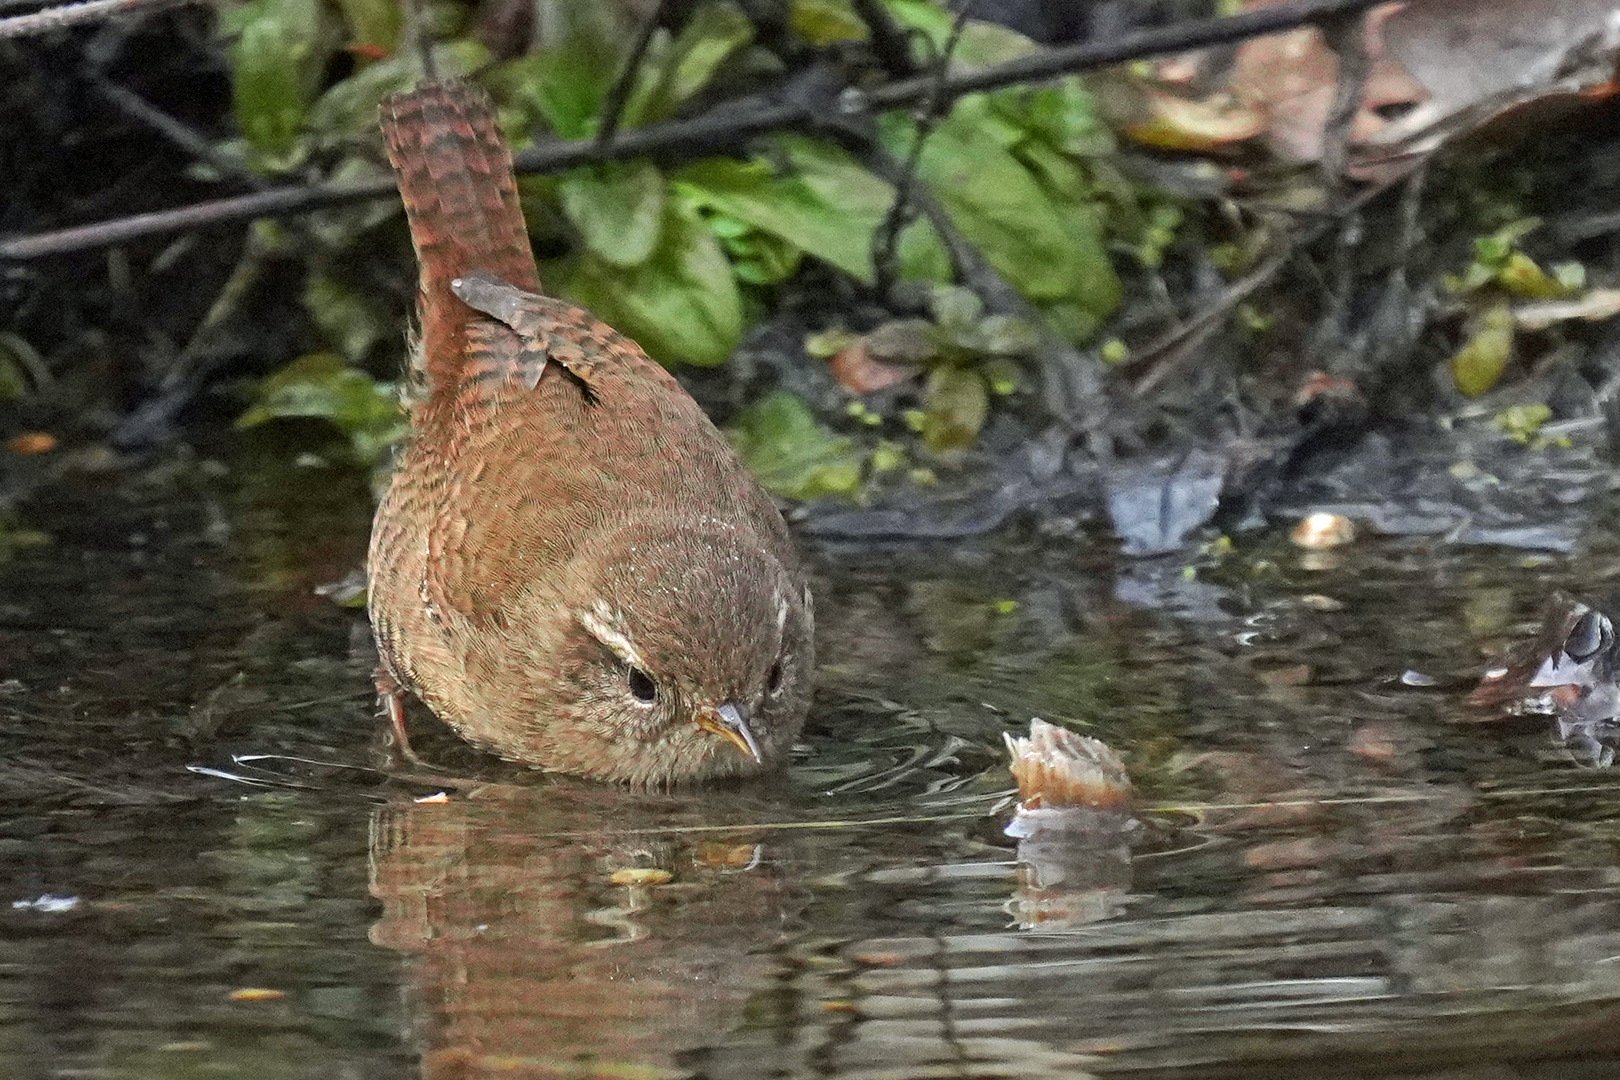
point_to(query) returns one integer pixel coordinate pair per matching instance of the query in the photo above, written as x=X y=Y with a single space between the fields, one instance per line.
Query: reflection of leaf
x=672 y=73
x=826 y=205
x=1480 y=362
x=617 y=208
x=681 y=304
x=790 y=453
x=321 y=385
x=15 y=537
x=274 y=63
x=955 y=405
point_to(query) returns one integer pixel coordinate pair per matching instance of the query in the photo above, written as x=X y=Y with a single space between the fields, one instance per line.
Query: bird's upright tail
x=455 y=177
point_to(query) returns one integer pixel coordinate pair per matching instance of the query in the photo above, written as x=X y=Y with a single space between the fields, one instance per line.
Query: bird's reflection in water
x=569 y=930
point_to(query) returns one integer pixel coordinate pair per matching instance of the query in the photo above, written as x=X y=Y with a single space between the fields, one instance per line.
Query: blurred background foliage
x=686 y=258
x=848 y=348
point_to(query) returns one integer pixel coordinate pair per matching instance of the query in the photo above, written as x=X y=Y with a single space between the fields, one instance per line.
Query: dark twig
x=1164 y=357
x=1135 y=46
x=718 y=132
x=185 y=138
x=68 y=15
x=618 y=94
x=890 y=44
x=418 y=38
x=886 y=241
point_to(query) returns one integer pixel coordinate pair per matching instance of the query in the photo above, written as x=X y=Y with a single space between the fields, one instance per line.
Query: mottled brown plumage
x=571 y=567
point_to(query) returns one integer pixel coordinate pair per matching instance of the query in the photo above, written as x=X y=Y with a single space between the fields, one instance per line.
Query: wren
x=571 y=567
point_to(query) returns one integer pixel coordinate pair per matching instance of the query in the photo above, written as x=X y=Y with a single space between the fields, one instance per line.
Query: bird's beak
x=727 y=722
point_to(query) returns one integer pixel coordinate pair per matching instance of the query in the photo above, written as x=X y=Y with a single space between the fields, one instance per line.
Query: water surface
x=204 y=872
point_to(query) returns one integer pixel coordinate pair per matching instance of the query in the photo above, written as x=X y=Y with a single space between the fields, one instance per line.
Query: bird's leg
x=391 y=704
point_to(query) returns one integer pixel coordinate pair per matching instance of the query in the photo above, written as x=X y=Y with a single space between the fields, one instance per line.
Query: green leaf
x=1096 y=286
x=565 y=80
x=1482 y=359
x=792 y=454
x=347 y=320
x=955 y=405
x=376 y=23
x=275 y=62
x=821 y=23
x=617 y=208
x=756 y=257
x=682 y=304
x=349 y=107
x=996 y=203
x=825 y=204
x=321 y=385
x=672 y=73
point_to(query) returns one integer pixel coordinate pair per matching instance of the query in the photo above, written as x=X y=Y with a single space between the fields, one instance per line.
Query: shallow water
x=203 y=873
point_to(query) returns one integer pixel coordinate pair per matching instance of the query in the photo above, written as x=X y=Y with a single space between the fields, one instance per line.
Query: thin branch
x=69 y=15
x=721 y=131
x=1088 y=55
x=182 y=136
x=886 y=241
x=618 y=94
x=1167 y=355
x=890 y=44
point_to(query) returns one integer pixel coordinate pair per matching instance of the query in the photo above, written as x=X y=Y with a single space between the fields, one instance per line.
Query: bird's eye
x=642 y=687
x=1590 y=633
x=773 y=681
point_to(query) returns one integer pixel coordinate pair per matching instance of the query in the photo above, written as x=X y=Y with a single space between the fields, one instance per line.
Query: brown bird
x=571 y=567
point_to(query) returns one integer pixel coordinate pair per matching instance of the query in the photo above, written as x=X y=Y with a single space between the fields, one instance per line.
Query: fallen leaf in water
x=640 y=875
x=256 y=993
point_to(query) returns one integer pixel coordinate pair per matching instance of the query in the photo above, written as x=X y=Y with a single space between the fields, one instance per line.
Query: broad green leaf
x=682 y=304
x=758 y=258
x=1522 y=277
x=275 y=62
x=566 y=78
x=955 y=405
x=617 y=208
x=346 y=319
x=350 y=106
x=374 y=23
x=1482 y=359
x=997 y=205
x=792 y=454
x=1070 y=320
x=981 y=44
x=322 y=385
x=825 y=204
x=673 y=72
x=826 y=22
